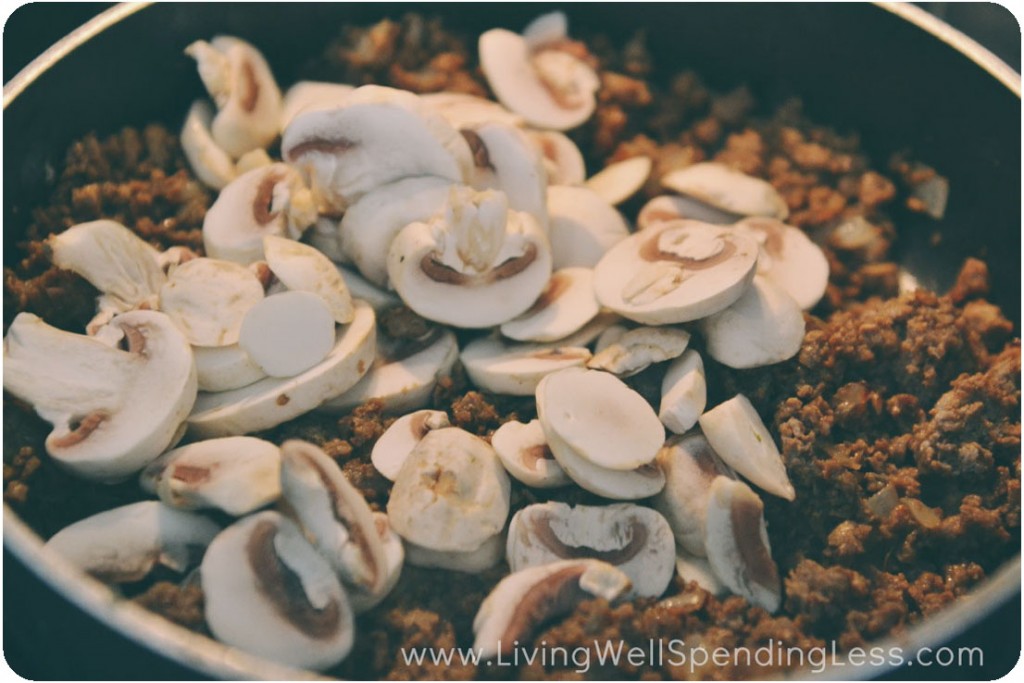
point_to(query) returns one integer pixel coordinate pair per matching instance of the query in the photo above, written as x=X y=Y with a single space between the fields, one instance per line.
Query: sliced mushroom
x=546 y=29
x=690 y=466
x=288 y=333
x=637 y=349
x=236 y=474
x=727 y=189
x=208 y=299
x=643 y=482
x=736 y=432
x=271 y=401
x=302 y=268
x=564 y=307
x=112 y=411
x=253 y=159
x=477 y=266
x=173 y=257
x=737 y=544
x=371 y=294
x=563 y=160
x=208 y=160
x=267 y=591
x=451 y=496
x=312 y=96
x=525 y=454
x=675 y=272
x=325 y=237
x=672 y=207
x=462 y=110
x=582 y=226
x=488 y=554
x=394 y=557
x=522 y=601
x=505 y=159
x=592 y=331
x=395 y=444
x=789 y=259
x=516 y=369
x=600 y=418
x=634 y=539
x=699 y=571
x=221 y=368
x=609 y=336
x=125 y=544
x=684 y=393
x=378 y=136
x=618 y=182
x=271 y=200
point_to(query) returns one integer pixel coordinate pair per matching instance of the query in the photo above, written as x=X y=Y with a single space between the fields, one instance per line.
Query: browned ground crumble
x=897 y=419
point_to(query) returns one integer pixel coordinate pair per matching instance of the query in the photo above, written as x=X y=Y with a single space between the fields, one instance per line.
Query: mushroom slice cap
x=789 y=259
x=125 y=544
x=271 y=401
x=304 y=269
x=698 y=569
x=505 y=159
x=288 y=333
x=394 y=557
x=516 y=369
x=236 y=474
x=635 y=539
x=112 y=411
x=673 y=207
x=399 y=440
x=737 y=543
x=617 y=182
x=360 y=288
x=525 y=454
x=637 y=349
x=727 y=189
x=600 y=418
x=525 y=599
x=582 y=226
x=208 y=160
x=684 y=393
x=312 y=96
x=562 y=158
x=221 y=368
x=675 y=272
x=208 y=299
x=736 y=432
x=267 y=591
x=463 y=110
x=564 y=307
x=486 y=555
x=452 y=492
x=764 y=326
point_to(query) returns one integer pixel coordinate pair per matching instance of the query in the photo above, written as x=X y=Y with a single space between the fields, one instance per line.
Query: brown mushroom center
x=651 y=251
x=541 y=528
x=568 y=353
x=773 y=234
x=320 y=146
x=556 y=594
x=81 y=429
x=745 y=514
x=481 y=157
x=263 y=204
x=437 y=271
x=192 y=474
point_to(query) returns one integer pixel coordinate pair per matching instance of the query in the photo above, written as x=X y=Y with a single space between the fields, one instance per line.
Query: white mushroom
x=617 y=182
x=267 y=591
x=220 y=368
x=477 y=266
x=516 y=369
x=125 y=544
x=690 y=466
x=698 y=570
x=208 y=299
x=727 y=189
x=208 y=160
x=546 y=29
x=312 y=96
x=673 y=207
x=359 y=288
x=562 y=158
x=253 y=159
x=302 y=268
x=271 y=401
x=394 y=557
x=112 y=411
x=609 y=336
x=505 y=159
x=399 y=440
x=675 y=272
x=637 y=349
x=271 y=200
x=789 y=259
x=451 y=497
x=522 y=601
x=525 y=454
x=488 y=554
x=634 y=539
x=236 y=474
x=564 y=307
x=582 y=226
x=288 y=333
x=643 y=482
x=325 y=237
x=684 y=393
x=247 y=97
x=736 y=432
x=737 y=544
x=462 y=110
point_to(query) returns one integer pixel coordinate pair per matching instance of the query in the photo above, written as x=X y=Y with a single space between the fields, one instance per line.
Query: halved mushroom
x=690 y=466
x=673 y=207
x=302 y=268
x=789 y=259
x=522 y=601
x=634 y=539
x=236 y=474
x=525 y=454
x=737 y=543
x=208 y=299
x=271 y=200
x=698 y=570
x=221 y=368
x=516 y=369
x=378 y=136
x=395 y=444
x=125 y=544
x=271 y=401
x=617 y=182
x=637 y=349
x=288 y=333
x=208 y=160
x=684 y=393
x=736 y=432
x=451 y=497
x=394 y=557
x=112 y=411
x=563 y=160
x=675 y=272
x=462 y=110
x=312 y=96
x=600 y=418
x=477 y=266
x=267 y=591
x=247 y=97
x=505 y=159
x=727 y=189
x=764 y=326
x=643 y=482
x=582 y=226
x=564 y=307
